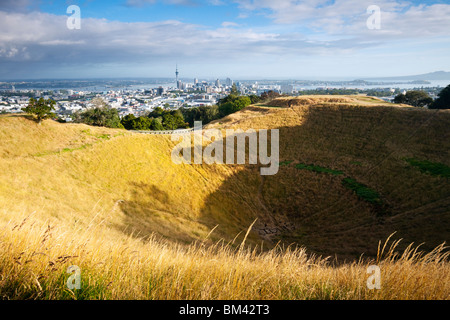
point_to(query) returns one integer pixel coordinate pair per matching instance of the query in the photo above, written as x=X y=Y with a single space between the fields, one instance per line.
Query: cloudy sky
x=241 y=39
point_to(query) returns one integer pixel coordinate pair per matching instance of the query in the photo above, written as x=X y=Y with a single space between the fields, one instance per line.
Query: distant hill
x=438 y=75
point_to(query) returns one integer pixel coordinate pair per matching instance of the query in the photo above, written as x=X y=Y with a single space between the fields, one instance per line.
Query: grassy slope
x=71 y=172
x=100 y=187
x=74 y=172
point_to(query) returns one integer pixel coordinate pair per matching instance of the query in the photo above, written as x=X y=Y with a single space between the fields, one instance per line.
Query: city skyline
x=209 y=39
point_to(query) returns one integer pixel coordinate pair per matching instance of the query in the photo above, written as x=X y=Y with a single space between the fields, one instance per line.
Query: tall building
x=229 y=82
x=217 y=83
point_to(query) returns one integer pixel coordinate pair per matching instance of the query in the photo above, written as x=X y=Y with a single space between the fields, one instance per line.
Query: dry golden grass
x=68 y=172
x=21 y=137
x=284 y=102
x=114 y=204
x=276 y=113
x=35 y=257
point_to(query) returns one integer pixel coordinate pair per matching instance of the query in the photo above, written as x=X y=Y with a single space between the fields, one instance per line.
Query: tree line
x=161 y=119
x=417 y=98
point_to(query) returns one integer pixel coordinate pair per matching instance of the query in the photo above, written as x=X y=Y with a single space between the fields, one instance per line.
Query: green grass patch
x=362 y=191
x=42 y=154
x=101 y=137
x=74 y=149
x=285 y=163
x=318 y=169
x=433 y=168
x=265 y=105
x=104 y=136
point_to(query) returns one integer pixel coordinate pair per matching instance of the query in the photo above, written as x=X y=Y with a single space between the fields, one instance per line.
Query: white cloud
x=227 y=24
x=61 y=42
x=101 y=41
x=349 y=16
x=336 y=28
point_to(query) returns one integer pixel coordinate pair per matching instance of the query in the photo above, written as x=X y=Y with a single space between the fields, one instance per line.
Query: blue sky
x=242 y=39
x=197 y=13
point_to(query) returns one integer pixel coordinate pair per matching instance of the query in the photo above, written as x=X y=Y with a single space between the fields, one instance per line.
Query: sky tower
x=176 y=73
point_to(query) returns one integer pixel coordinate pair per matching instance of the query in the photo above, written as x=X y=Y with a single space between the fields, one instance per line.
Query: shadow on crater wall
x=314 y=209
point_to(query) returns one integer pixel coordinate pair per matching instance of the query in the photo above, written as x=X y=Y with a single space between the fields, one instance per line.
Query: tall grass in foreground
x=34 y=258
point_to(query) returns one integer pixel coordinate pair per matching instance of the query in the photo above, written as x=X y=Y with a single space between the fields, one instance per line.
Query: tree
x=41 y=109
x=127 y=121
x=443 y=100
x=211 y=113
x=234 y=90
x=232 y=104
x=99 y=116
x=254 y=98
x=174 y=120
x=226 y=109
x=141 y=123
x=169 y=122
x=157 y=112
x=241 y=102
x=400 y=98
x=130 y=122
x=269 y=95
x=229 y=98
x=179 y=119
x=205 y=114
x=414 y=98
x=156 y=125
